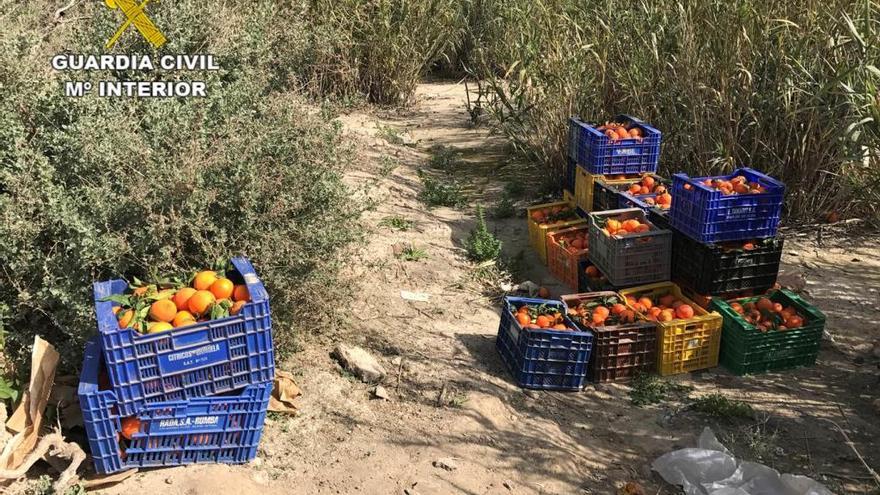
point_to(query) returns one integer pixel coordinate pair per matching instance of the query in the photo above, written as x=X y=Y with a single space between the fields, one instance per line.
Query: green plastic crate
x=746 y=350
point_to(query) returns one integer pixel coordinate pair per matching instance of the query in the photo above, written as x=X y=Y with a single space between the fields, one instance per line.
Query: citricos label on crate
x=190 y=358
x=196 y=422
x=626 y=152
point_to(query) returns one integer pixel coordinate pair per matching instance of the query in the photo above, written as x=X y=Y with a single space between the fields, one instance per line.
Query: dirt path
x=452 y=398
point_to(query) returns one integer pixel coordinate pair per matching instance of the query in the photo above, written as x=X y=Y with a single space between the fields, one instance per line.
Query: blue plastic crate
x=543 y=359
x=593 y=150
x=708 y=216
x=204 y=359
x=224 y=429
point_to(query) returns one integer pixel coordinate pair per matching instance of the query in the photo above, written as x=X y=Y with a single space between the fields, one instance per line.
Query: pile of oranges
x=615 y=131
x=648 y=185
x=665 y=308
x=601 y=312
x=617 y=227
x=573 y=242
x=158 y=308
x=553 y=215
x=539 y=317
x=736 y=185
x=767 y=315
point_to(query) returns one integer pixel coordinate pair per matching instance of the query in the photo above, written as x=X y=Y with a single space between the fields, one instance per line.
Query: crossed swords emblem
x=134 y=14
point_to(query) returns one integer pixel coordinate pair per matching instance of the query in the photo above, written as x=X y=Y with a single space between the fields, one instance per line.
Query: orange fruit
x=141 y=290
x=648 y=181
x=116 y=309
x=237 y=305
x=544 y=321
x=601 y=310
x=130 y=426
x=646 y=302
x=158 y=326
x=622 y=133
x=765 y=304
x=618 y=309
x=203 y=280
x=737 y=307
x=599 y=318
x=180 y=299
x=666 y=315
x=635 y=132
x=612 y=225
x=559 y=326
x=522 y=318
x=667 y=300
x=794 y=322
x=125 y=318
x=777 y=307
x=222 y=288
x=163 y=310
x=592 y=272
x=684 y=311
x=543 y=293
x=628 y=316
x=200 y=302
x=183 y=318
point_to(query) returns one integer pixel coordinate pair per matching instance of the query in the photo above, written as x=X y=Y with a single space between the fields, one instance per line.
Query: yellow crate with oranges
x=600 y=192
x=689 y=336
x=549 y=217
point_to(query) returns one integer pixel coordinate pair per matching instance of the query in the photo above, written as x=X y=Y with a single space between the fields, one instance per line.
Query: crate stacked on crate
x=547 y=218
x=623 y=149
x=628 y=249
x=541 y=347
x=189 y=390
x=566 y=248
x=624 y=346
x=727 y=253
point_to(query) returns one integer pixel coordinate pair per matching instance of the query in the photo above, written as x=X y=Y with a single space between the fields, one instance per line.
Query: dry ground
x=503 y=439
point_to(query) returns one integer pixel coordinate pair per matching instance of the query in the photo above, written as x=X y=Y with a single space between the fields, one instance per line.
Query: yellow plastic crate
x=538 y=233
x=568 y=196
x=685 y=345
x=585 y=185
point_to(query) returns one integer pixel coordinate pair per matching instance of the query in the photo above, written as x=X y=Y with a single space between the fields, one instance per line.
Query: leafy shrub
x=93 y=189
x=482 y=245
x=440 y=192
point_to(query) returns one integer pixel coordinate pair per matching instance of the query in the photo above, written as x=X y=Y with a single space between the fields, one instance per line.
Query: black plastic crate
x=726 y=268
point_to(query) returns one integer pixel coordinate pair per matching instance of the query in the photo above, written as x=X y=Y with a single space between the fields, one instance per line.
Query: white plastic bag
x=710 y=469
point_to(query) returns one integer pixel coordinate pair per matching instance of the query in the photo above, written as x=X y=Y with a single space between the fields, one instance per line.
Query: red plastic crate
x=562 y=259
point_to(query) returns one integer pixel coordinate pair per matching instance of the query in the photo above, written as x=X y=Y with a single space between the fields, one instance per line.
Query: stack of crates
x=726 y=248
x=195 y=394
x=594 y=158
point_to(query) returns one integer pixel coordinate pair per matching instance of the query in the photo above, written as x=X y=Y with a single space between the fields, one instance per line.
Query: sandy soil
x=503 y=439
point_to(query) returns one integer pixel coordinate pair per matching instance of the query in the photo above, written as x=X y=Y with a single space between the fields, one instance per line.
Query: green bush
x=93 y=189
x=785 y=87
x=481 y=244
